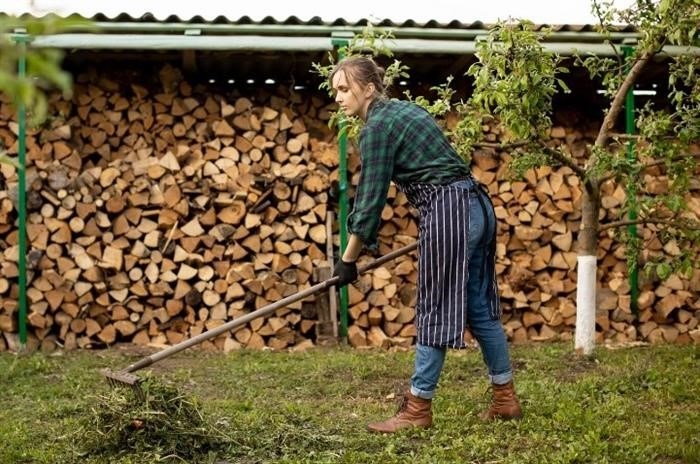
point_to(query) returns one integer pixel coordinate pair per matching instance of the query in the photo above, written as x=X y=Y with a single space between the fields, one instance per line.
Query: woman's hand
x=346 y=272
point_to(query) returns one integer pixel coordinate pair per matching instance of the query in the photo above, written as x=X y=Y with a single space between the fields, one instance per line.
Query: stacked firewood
x=155 y=214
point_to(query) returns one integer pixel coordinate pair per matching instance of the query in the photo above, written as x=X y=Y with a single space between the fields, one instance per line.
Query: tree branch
x=637 y=136
x=566 y=161
x=601 y=21
x=654 y=163
x=616 y=105
x=500 y=146
x=631 y=222
x=556 y=155
x=675 y=158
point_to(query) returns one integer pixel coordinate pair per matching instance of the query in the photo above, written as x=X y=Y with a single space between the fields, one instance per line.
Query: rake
x=127 y=378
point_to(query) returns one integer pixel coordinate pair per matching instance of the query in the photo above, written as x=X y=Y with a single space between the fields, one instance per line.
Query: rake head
x=124 y=380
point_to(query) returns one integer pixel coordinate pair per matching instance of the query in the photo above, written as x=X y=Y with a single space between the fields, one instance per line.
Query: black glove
x=346 y=272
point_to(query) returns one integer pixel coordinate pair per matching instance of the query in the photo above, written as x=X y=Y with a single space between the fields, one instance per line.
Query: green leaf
x=563 y=86
x=663 y=270
x=4 y=159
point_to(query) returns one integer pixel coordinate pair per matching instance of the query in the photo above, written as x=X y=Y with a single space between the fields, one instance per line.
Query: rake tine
x=124 y=380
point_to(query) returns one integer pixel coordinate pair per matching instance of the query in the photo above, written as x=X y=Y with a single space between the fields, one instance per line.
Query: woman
x=400 y=141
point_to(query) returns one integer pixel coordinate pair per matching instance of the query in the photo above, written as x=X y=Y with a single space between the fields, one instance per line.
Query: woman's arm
x=352 y=252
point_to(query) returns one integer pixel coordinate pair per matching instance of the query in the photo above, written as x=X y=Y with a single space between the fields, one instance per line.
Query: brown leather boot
x=413 y=412
x=504 y=404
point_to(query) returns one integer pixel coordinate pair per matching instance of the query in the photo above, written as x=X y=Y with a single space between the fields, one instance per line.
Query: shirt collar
x=376 y=103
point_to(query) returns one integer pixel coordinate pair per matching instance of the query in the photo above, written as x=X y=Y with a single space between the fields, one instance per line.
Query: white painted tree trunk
x=585 y=305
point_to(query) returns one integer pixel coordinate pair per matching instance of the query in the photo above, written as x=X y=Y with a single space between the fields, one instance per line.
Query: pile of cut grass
x=162 y=422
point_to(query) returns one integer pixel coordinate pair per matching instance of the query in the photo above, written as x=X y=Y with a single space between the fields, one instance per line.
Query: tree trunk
x=588 y=236
x=586 y=272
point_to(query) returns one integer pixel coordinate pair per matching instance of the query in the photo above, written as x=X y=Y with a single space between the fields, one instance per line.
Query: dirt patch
x=576 y=366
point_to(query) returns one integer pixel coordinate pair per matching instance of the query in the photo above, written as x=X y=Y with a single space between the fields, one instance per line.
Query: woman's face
x=352 y=98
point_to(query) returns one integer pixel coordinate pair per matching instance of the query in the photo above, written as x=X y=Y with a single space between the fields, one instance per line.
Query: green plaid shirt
x=400 y=141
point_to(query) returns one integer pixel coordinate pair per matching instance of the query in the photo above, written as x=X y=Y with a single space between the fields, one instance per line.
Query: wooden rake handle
x=265 y=310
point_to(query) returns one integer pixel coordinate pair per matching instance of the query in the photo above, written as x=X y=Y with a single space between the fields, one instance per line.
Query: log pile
x=154 y=216
x=157 y=213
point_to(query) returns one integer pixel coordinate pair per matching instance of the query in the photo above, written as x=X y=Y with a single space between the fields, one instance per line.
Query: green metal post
x=343 y=221
x=632 y=189
x=21 y=41
x=342 y=199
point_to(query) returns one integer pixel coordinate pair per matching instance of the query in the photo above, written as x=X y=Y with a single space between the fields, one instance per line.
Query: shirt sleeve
x=377 y=156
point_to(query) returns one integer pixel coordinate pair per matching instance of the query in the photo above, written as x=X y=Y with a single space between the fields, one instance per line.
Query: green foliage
x=469 y=129
x=683 y=238
x=43 y=65
x=608 y=70
x=439 y=107
x=617 y=162
x=665 y=133
x=470 y=119
x=525 y=158
x=515 y=80
x=371 y=42
x=43 y=69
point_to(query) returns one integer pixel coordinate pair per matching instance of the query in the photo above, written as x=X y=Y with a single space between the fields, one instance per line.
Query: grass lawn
x=633 y=405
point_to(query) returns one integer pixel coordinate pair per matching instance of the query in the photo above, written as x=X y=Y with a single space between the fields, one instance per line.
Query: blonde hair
x=362 y=70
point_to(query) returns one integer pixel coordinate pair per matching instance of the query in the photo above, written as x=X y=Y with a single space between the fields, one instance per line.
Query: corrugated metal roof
x=288 y=46
x=432 y=50
x=318 y=21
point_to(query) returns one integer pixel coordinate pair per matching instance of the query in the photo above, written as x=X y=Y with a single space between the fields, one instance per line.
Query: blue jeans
x=487 y=331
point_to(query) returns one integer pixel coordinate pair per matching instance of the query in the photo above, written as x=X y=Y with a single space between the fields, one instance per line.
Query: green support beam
x=631 y=189
x=339 y=42
x=21 y=40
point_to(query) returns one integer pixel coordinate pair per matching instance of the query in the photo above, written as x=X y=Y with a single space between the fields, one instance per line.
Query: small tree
x=42 y=65
x=515 y=80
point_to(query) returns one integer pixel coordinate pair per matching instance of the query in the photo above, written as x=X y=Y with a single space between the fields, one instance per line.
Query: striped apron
x=443 y=260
